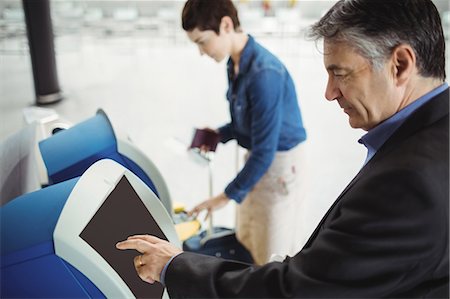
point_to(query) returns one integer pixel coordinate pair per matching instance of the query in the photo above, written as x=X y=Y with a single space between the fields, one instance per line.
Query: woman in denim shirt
x=266 y=120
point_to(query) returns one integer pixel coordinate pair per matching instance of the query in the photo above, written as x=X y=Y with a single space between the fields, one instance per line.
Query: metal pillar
x=42 y=52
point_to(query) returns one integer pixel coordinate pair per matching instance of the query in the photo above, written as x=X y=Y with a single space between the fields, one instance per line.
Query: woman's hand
x=210 y=205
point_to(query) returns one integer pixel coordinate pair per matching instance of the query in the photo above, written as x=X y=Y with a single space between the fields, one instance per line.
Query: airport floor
x=157 y=90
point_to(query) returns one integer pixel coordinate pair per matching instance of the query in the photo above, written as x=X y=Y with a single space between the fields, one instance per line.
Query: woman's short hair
x=207 y=14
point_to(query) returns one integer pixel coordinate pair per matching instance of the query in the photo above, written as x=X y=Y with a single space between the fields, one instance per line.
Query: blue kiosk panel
x=68 y=153
x=59 y=242
x=29 y=266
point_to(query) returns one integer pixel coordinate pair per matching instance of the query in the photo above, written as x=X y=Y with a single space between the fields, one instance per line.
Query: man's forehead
x=333 y=47
x=340 y=55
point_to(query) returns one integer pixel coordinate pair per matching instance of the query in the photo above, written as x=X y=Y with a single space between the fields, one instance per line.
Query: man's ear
x=403 y=63
x=226 y=25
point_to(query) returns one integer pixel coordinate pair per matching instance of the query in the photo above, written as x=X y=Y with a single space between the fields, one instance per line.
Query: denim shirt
x=265 y=115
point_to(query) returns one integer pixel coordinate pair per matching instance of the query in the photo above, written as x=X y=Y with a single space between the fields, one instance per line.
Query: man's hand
x=155 y=255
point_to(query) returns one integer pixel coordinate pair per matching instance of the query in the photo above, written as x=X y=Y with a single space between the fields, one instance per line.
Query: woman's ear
x=403 y=63
x=226 y=24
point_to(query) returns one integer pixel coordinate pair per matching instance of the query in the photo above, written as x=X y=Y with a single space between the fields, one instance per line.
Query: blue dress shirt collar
x=377 y=136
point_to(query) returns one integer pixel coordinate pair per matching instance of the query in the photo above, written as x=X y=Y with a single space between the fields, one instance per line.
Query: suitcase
x=221 y=242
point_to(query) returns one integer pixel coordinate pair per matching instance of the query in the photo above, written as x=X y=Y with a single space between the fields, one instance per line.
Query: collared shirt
x=265 y=115
x=377 y=136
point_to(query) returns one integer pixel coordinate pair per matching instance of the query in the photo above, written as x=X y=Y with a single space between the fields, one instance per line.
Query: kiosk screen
x=123 y=214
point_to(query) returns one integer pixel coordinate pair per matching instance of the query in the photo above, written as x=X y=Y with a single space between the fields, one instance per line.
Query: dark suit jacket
x=386 y=235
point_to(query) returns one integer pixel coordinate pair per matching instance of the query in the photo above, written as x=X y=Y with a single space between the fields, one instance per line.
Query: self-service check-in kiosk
x=69 y=152
x=60 y=241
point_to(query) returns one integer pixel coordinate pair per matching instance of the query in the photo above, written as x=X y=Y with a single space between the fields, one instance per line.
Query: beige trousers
x=267 y=220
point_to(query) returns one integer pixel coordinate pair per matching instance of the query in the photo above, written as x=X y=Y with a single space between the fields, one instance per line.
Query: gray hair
x=375 y=49
x=375 y=27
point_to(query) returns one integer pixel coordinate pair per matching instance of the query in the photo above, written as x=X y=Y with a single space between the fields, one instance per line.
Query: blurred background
x=133 y=60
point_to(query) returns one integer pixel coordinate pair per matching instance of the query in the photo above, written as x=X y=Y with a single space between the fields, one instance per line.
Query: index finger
x=149 y=238
x=137 y=244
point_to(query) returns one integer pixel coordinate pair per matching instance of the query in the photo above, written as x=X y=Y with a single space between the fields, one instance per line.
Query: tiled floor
x=157 y=91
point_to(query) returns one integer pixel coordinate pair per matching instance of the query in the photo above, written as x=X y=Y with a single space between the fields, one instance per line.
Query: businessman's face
x=365 y=94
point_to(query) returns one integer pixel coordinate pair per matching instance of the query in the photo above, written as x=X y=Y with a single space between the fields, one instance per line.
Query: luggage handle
x=209 y=230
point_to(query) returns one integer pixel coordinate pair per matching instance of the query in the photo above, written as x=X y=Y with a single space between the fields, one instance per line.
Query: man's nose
x=332 y=92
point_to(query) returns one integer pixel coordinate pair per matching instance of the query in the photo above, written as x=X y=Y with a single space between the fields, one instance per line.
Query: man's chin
x=354 y=124
x=364 y=127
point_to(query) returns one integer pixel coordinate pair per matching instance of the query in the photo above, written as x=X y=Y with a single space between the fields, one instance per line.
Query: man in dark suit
x=387 y=234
